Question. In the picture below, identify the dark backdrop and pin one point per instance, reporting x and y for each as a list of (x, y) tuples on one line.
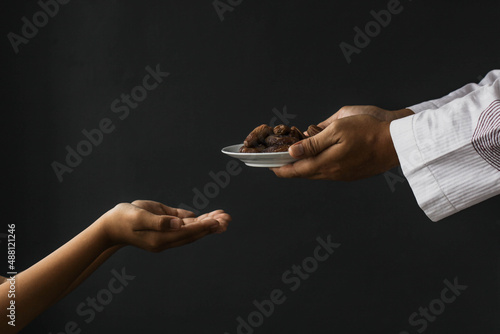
[(225, 78)]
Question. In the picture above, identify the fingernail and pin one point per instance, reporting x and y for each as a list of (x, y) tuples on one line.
[(175, 223), (297, 150)]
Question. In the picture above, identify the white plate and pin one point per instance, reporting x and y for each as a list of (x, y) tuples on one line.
[(271, 159)]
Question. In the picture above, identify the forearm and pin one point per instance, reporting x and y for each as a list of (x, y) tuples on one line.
[(39, 286), (89, 270)]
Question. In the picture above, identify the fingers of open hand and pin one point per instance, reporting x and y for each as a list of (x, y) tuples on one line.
[(197, 230), (133, 225), (223, 218), (187, 230), (146, 220), (206, 215), (156, 241), (162, 209)]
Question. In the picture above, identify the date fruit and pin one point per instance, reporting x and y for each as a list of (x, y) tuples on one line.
[(258, 135), (278, 139), (281, 130), (313, 130), (295, 132), (274, 140)]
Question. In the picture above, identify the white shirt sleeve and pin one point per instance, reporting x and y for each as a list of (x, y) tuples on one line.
[(437, 103), (450, 149)]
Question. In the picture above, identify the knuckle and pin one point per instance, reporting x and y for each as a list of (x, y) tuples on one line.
[(344, 111), (334, 126), (344, 108), (122, 205), (122, 209), (163, 223), (134, 215), (143, 204)]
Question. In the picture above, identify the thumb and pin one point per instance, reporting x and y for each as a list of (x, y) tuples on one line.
[(159, 223), (312, 146)]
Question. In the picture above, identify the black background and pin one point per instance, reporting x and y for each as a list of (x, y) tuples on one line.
[(225, 78)]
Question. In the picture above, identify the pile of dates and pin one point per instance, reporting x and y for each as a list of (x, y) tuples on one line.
[(278, 139)]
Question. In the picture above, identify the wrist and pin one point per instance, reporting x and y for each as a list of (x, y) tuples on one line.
[(101, 233), (402, 113), (390, 154)]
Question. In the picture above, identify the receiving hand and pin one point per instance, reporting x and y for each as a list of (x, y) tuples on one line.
[(349, 148), (155, 227)]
